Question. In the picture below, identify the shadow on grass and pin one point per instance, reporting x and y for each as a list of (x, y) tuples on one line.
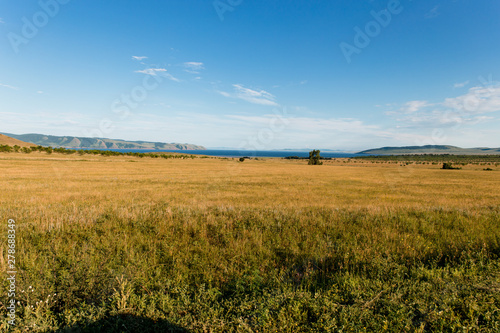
[(124, 323)]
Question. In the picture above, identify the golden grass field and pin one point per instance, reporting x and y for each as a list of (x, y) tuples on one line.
[(411, 217), (38, 180)]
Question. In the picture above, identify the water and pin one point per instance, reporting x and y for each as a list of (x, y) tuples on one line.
[(239, 153)]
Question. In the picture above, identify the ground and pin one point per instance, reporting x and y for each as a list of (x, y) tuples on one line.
[(217, 245)]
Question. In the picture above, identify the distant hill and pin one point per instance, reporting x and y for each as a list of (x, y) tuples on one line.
[(99, 143), (432, 149), (10, 141)]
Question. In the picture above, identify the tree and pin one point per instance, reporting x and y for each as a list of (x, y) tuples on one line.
[(314, 158), (449, 166)]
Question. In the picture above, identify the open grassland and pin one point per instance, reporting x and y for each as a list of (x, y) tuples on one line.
[(132, 244)]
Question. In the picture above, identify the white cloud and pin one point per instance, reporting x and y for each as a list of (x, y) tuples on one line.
[(225, 94), (413, 106), (171, 77), (467, 109), (193, 67), (477, 100), (267, 131), (1, 20), (39, 92), (158, 71), (460, 84), (139, 58), (8, 86), (260, 97), (308, 124), (151, 71)]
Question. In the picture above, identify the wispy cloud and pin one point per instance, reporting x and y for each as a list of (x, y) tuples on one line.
[(461, 84), (288, 131), (193, 67), (1, 20), (158, 71), (434, 12), (260, 97), (477, 100), (469, 108), (139, 58), (413, 106), (151, 71), (8, 86), (310, 124)]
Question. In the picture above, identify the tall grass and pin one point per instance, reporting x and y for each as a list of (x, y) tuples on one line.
[(109, 245)]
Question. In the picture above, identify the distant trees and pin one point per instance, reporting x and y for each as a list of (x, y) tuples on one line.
[(314, 158), (449, 166)]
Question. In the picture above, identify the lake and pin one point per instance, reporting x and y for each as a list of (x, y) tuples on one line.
[(240, 153)]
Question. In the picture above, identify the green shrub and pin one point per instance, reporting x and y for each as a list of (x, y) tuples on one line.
[(449, 166)]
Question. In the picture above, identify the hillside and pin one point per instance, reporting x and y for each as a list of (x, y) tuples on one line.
[(99, 143), (10, 141), (432, 149)]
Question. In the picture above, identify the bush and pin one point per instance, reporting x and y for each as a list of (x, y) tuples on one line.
[(449, 166), (314, 158)]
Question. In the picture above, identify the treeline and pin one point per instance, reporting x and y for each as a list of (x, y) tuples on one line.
[(50, 150), (467, 159)]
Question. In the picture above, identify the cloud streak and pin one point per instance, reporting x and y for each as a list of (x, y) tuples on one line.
[(8, 86), (259, 97), (193, 67), (158, 71), (470, 108)]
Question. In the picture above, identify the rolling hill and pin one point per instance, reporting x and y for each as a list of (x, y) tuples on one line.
[(431, 149), (99, 143), (10, 141)]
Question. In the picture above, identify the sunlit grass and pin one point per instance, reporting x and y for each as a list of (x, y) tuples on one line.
[(264, 245)]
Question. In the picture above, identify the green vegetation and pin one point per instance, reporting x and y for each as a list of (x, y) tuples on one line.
[(266, 269), (314, 158), (467, 159), (449, 166), (214, 245), (50, 150), (98, 143), (431, 149)]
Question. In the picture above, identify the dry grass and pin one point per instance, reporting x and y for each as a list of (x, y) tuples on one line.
[(263, 245), (39, 180), (7, 140)]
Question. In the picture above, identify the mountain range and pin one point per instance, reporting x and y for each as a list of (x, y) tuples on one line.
[(431, 149), (98, 143)]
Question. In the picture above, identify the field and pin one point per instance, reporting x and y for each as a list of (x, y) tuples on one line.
[(129, 244)]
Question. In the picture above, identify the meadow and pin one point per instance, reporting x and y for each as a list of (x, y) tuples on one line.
[(131, 244)]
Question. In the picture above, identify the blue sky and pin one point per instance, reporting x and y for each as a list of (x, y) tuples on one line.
[(346, 75)]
